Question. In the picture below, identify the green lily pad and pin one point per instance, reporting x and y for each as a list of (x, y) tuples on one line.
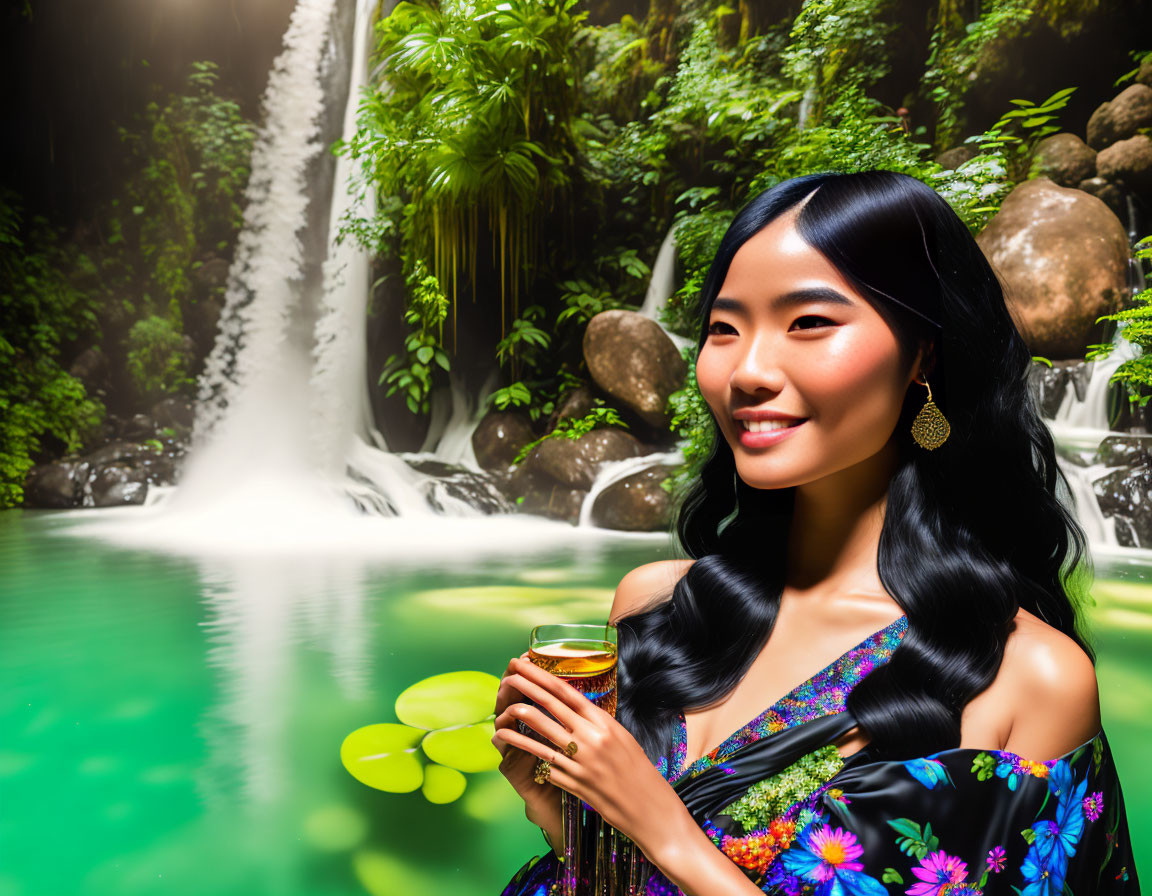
[(448, 700), (468, 749), (384, 756), (383, 874), (443, 784)]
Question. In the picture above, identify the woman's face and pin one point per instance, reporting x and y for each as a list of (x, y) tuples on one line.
[(789, 337)]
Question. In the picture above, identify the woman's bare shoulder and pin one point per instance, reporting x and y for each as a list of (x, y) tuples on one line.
[(647, 583), (1055, 702)]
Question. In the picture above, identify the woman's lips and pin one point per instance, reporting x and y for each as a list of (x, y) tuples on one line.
[(760, 439)]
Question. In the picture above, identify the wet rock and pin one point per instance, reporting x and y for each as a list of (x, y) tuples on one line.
[(1063, 256), (956, 156), (535, 492), (576, 403), (119, 450), (499, 437), (1050, 385), (141, 426), (1064, 159), (1125, 451), (53, 486), (91, 368), (1108, 193), (450, 485), (114, 474), (1127, 495), (575, 462), (1122, 117), (631, 358), (174, 412), (115, 485), (1128, 161), (637, 503)]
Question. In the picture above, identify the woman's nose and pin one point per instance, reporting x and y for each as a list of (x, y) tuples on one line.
[(758, 369)]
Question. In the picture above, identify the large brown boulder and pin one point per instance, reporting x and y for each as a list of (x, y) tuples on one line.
[(533, 491), (575, 462), (1129, 161), (635, 362), (637, 502), (1063, 256), (1064, 159), (498, 438), (1122, 117)]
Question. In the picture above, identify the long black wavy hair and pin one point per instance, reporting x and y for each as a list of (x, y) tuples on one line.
[(972, 530)]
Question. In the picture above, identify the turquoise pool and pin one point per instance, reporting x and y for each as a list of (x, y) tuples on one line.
[(173, 725)]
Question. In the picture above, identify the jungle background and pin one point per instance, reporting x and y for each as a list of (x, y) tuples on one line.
[(537, 189), (529, 159)]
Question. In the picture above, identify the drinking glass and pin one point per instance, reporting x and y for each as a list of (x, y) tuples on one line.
[(598, 860)]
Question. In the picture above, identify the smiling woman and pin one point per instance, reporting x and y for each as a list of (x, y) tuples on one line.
[(908, 564)]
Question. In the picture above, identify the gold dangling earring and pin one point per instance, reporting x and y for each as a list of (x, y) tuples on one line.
[(930, 429)]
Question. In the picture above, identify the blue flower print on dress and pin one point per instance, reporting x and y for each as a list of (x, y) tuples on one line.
[(827, 856), (1044, 876), (1064, 833), (928, 772)]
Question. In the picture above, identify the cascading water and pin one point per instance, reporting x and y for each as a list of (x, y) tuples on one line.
[(282, 404), (285, 454)]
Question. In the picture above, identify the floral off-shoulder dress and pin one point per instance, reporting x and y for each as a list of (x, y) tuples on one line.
[(780, 802)]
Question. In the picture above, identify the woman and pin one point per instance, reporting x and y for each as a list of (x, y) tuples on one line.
[(910, 557)]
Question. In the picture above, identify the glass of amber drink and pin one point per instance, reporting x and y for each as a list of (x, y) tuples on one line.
[(597, 859), (583, 655)]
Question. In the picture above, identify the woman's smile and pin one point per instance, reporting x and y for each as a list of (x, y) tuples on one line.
[(758, 433), (804, 375)]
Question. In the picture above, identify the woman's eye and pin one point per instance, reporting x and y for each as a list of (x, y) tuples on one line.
[(712, 327), (820, 321)]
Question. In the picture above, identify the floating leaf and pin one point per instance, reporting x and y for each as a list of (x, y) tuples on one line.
[(443, 784), (469, 749), (384, 756), (447, 700), (382, 874), (335, 828)]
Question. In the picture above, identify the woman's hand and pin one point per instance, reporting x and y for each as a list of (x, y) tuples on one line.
[(608, 770), (541, 801)]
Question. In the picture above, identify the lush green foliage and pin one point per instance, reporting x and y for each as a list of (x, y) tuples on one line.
[(411, 373), (125, 286), (40, 313), (490, 110), (956, 49), (476, 120), (575, 427), (1135, 373), (158, 361), (191, 151)]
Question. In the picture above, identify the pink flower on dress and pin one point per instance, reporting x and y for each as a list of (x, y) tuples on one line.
[(1094, 805), (937, 871), (837, 849), (996, 860)]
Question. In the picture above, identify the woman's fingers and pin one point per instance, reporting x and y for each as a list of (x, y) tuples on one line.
[(564, 691), (505, 695), (547, 699), (561, 763), (537, 721)]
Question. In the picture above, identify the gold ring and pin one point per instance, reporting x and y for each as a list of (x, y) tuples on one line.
[(543, 771), (571, 748)]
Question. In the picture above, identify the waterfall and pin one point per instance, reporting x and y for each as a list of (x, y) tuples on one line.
[(283, 401)]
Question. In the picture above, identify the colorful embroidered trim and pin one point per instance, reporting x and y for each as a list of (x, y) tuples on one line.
[(822, 694)]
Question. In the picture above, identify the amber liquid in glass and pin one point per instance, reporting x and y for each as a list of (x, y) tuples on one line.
[(589, 666)]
